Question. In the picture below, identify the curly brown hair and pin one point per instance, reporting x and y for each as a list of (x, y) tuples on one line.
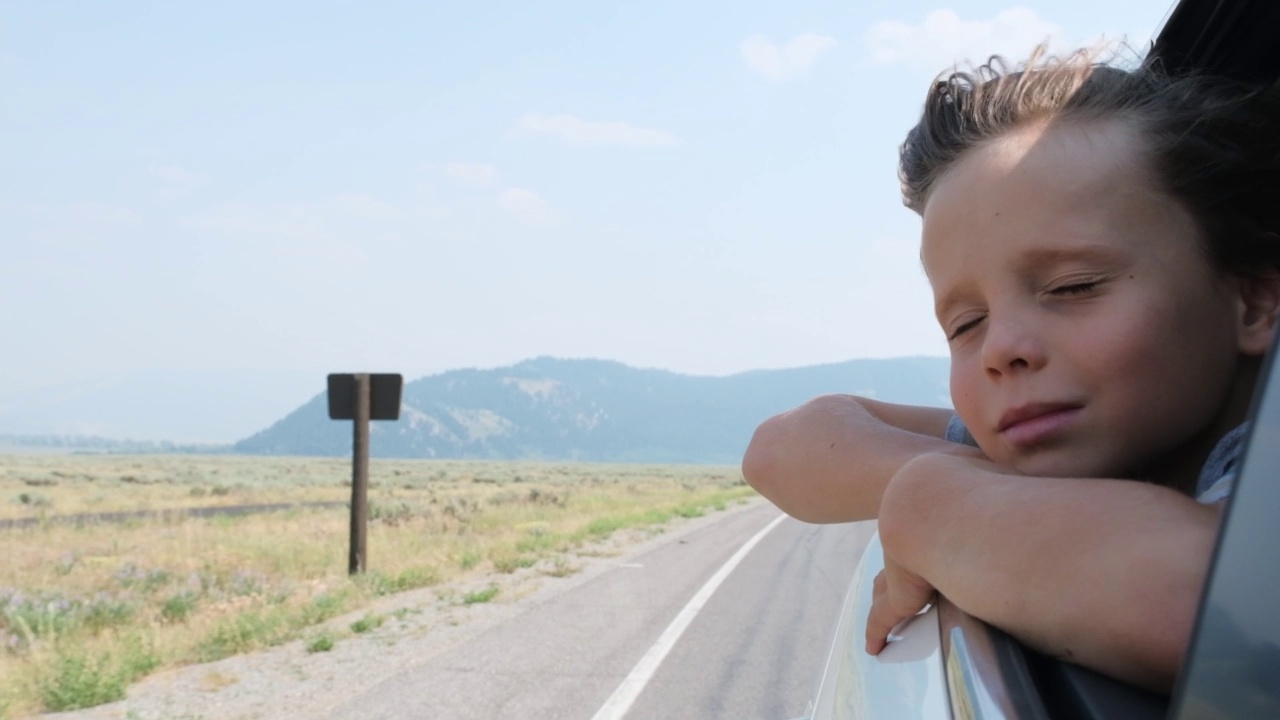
[(1211, 143)]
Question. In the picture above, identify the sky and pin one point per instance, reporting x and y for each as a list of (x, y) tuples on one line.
[(704, 187)]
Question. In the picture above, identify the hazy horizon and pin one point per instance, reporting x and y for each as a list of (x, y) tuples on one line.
[(250, 400)]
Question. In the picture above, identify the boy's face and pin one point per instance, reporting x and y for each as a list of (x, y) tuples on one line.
[(1089, 335)]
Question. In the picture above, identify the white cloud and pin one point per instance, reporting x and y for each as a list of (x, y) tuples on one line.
[(472, 173), (577, 132), (942, 40), (527, 206), (779, 62)]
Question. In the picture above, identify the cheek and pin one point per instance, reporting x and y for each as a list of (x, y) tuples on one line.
[(1112, 349), (965, 393), (1166, 358)]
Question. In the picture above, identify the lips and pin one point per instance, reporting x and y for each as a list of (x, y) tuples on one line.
[(1035, 423)]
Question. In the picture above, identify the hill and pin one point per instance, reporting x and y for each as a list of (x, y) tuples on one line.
[(595, 410)]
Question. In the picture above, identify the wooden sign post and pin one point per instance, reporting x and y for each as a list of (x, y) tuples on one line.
[(362, 397)]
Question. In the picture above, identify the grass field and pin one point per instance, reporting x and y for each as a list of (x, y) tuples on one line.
[(87, 609)]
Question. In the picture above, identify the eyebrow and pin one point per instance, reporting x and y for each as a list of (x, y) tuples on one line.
[(1045, 257), (1039, 257)]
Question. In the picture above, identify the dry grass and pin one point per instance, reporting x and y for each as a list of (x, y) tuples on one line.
[(84, 610), (39, 485)]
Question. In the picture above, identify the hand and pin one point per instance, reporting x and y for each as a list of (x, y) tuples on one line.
[(898, 594)]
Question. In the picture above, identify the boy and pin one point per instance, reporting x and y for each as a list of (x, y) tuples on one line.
[(1101, 249)]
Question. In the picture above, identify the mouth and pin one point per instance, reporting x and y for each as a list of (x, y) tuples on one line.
[(1035, 423)]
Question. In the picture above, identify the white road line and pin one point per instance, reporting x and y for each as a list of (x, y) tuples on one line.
[(621, 700)]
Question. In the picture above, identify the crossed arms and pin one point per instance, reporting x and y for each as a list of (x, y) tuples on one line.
[(1104, 573)]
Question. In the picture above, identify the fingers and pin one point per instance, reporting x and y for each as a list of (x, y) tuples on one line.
[(882, 617), (896, 596)]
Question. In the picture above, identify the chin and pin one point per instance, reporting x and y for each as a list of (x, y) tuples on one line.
[(1060, 464)]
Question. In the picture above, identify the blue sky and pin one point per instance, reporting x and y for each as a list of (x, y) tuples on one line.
[(414, 187)]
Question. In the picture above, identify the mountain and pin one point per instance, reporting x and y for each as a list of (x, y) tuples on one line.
[(595, 410)]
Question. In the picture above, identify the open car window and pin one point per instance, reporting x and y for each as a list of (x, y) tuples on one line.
[(1233, 667)]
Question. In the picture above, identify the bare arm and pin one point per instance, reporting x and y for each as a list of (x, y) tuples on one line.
[(830, 459), (1103, 573)]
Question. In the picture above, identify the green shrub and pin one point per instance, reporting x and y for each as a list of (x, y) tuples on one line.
[(178, 607), (320, 643), (46, 616), (105, 611), (389, 512), (480, 596), (79, 680), (508, 564), (35, 500), (367, 623), (540, 542), (321, 608), (379, 583), (604, 527), (245, 632)]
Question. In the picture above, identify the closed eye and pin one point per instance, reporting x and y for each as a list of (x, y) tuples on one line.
[(1075, 289), (966, 327)]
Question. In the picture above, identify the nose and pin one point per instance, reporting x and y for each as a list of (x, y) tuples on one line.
[(1011, 345)]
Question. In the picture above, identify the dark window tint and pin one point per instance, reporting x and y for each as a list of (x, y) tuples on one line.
[(1233, 670)]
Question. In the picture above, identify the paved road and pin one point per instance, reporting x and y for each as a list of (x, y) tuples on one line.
[(755, 650)]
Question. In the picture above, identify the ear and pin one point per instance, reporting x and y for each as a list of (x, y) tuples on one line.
[(1258, 314)]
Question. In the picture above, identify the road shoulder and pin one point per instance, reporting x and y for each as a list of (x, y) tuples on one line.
[(289, 682)]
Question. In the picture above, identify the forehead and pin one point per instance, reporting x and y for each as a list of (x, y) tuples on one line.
[(1045, 187)]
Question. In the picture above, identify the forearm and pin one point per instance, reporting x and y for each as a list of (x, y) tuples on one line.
[(1103, 573), (830, 459)]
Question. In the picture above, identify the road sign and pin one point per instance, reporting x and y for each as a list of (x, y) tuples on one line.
[(384, 396), (362, 397)]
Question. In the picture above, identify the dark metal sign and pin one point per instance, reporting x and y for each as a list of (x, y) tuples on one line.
[(384, 396), (362, 397)]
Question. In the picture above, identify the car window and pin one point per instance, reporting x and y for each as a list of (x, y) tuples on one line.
[(1234, 666)]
